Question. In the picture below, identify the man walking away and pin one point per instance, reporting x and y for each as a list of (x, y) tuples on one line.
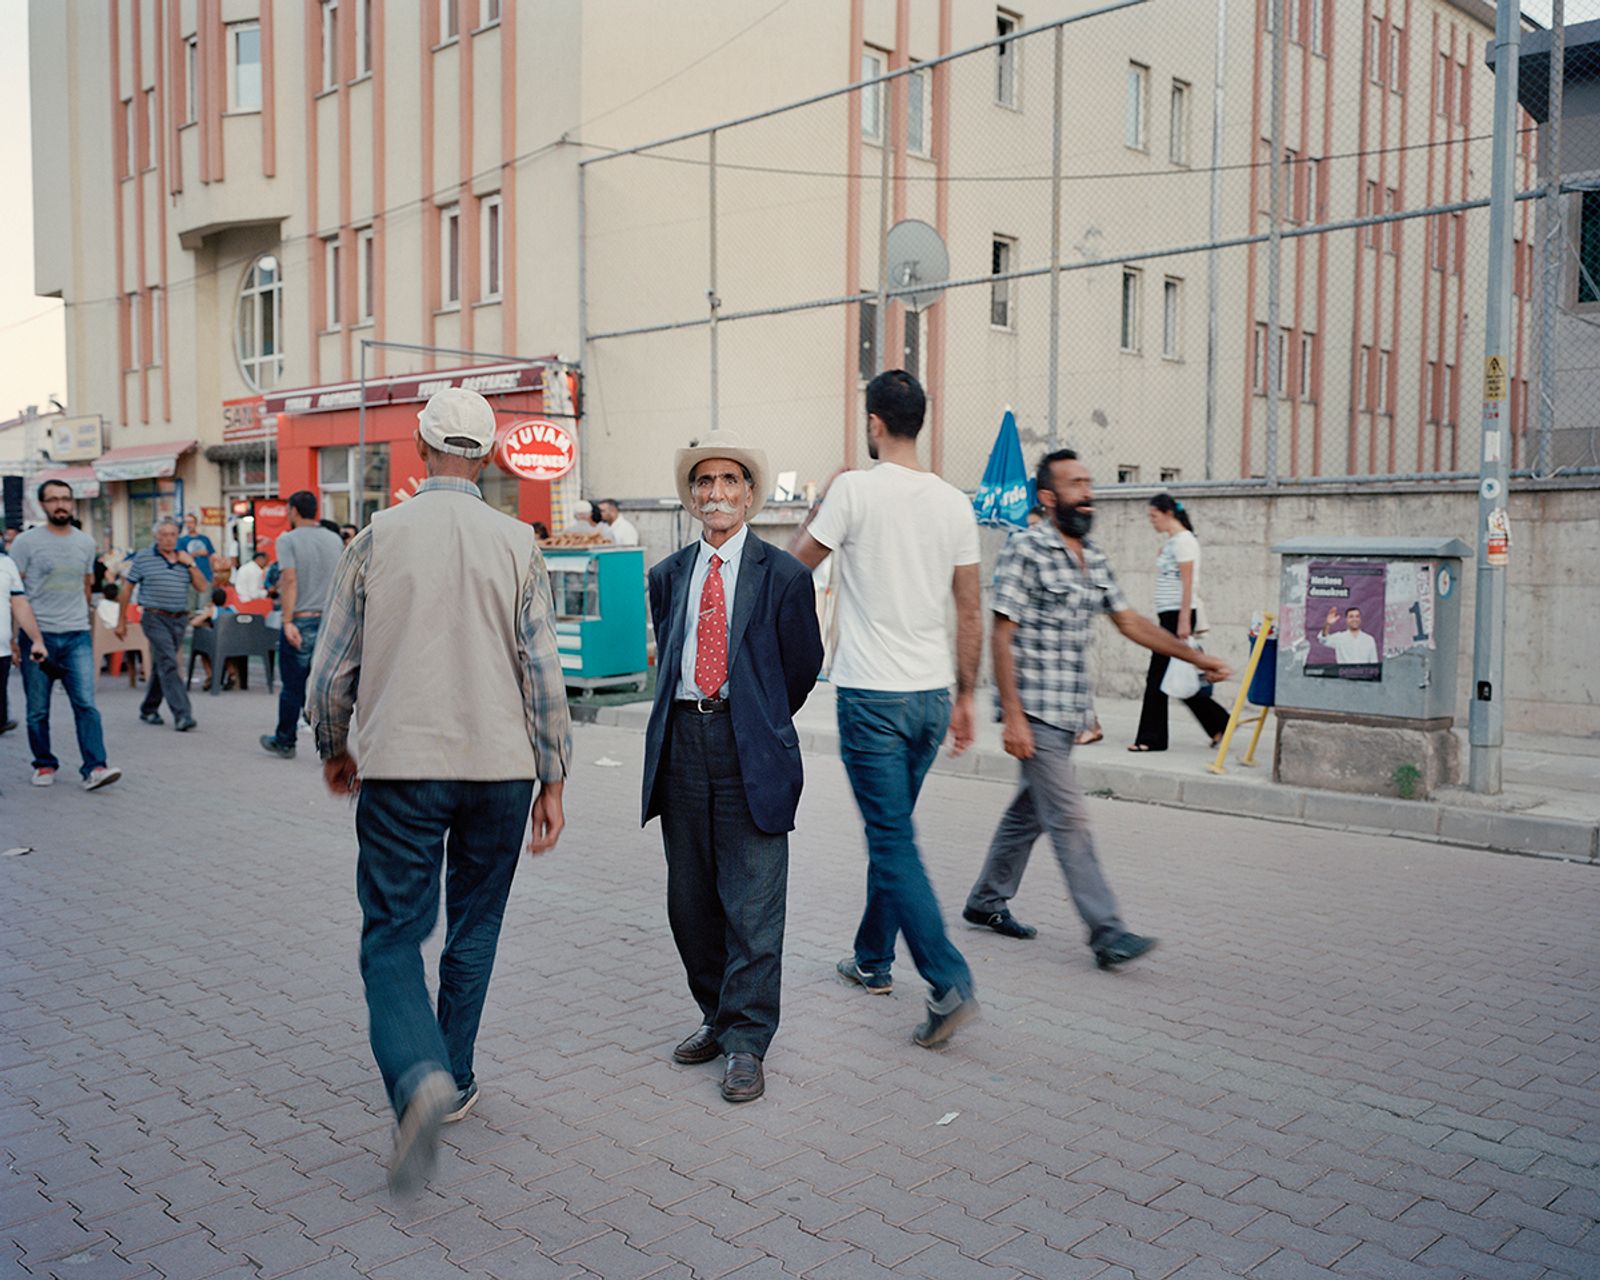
[(462, 710), (736, 631), (1050, 584), (906, 540), (56, 562), (307, 556), (165, 577)]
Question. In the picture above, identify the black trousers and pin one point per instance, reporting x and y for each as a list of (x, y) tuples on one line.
[(1153, 717), (5, 683), (727, 884)]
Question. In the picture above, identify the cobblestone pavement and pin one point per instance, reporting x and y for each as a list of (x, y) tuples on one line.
[(1351, 1055)]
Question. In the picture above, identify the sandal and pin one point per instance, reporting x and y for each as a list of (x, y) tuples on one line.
[(1138, 746), (1086, 736)]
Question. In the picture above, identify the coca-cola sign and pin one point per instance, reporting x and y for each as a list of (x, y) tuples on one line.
[(536, 449)]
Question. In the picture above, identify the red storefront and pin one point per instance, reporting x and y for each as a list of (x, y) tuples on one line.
[(318, 430)]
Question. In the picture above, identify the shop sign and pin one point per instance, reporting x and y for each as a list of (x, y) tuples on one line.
[(491, 380), (536, 449), (245, 419), (76, 439), (211, 516)]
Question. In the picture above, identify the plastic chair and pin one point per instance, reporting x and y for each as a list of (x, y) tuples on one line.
[(106, 644), (233, 636)]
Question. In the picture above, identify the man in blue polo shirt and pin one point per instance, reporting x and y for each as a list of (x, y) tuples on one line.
[(164, 576)]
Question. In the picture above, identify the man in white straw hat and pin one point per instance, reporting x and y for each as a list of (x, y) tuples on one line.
[(463, 713), (738, 650)]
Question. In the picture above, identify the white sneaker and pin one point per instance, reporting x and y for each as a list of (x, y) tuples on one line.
[(101, 777), (44, 777)]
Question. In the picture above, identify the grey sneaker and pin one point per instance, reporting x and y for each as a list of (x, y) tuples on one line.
[(416, 1141), (879, 984), (939, 1027), (104, 776), (466, 1099)]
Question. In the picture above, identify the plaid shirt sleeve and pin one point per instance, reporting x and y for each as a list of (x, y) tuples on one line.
[(1010, 595), (336, 665), (1111, 600), (544, 688)]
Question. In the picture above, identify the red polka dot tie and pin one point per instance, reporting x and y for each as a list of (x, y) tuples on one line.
[(711, 655)]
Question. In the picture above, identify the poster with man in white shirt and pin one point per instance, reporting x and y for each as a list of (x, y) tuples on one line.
[(1348, 642)]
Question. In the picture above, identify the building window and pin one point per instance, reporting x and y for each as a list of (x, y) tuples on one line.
[(489, 245), (1385, 397), (912, 347), (1441, 86), (157, 314), (336, 466), (1128, 335), (257, 333), (1291, 21), (125, 159), (872, 64), (1289, 201), (1318, 23), (191, 80), (918, 115), (330, 281), (1313, 193), (1127, 473), (1589, 247), (244, 67), (1391, 199), (1441, 242), (1375, 51), (147, 157), (363, 37), (1178, 124), (1308, 347), (1136, 108), (1432, 391), (867, 342), (1172, 318), (450, 256), (330, 44), (1396, 62), (1171, 475), (1458, 241), (1007, 57), (1258, 360), (1364, 378), (134, 319), (1002, 312), (1374, 230), (366, 263), (449, 20), (491, 12), (1283, 363)]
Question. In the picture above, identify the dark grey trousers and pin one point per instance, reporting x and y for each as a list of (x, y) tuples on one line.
[(1048, 800), (727, 884), (165, 635)]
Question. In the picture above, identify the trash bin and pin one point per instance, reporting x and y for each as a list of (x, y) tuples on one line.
[(1264, 684)]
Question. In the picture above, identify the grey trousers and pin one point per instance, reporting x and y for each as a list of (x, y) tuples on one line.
[(165, 635), (1048, 800)]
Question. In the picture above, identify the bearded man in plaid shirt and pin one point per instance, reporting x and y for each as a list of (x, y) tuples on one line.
[(1049, 585)]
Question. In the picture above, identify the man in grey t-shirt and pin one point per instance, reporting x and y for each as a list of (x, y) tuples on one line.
[(307, 556), (56, 562)]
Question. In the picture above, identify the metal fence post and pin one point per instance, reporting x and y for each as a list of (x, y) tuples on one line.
[(1052, 437), (712, 299), (1554, 240), (1275, 243), (1486, 721), (1213, 263)]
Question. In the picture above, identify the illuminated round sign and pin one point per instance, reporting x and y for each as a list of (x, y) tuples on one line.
[(536, 449)]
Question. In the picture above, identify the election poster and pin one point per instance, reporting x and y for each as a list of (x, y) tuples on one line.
[(1344, 621)]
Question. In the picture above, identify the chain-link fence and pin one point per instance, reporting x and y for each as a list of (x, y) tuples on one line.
[(1233, 243)]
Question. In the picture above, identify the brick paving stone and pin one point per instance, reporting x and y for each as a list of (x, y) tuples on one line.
[(610, 1255), (284, 1249), (1581, 1259)]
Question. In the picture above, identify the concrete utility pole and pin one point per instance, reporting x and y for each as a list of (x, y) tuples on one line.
[(1486, 722)]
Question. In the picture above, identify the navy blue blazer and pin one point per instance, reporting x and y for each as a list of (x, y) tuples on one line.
[(774, 655)]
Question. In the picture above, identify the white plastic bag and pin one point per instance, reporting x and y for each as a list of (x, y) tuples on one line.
[(1183, 678)]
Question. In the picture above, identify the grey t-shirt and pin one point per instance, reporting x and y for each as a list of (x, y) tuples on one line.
[(53, 566), (313, 553)]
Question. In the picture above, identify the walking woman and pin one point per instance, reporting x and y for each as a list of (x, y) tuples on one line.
[(1177, 593)]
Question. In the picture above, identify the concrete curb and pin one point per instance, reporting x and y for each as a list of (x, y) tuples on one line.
[(1568, 839)]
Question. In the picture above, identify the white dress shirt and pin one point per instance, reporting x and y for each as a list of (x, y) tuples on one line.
[(730, 553), (250, 582), (1353, 648)]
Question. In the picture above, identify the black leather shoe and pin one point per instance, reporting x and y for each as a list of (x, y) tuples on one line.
[(1001, 921), (1121, 948), (184, 725), (702, 1046), (151, 717), (743, 1079)]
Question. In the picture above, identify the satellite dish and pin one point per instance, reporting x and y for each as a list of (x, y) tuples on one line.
[(917, 257)]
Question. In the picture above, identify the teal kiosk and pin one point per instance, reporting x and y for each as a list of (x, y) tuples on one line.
[(600, 615)]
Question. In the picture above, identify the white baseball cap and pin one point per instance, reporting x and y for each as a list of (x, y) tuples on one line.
[(458, 421)]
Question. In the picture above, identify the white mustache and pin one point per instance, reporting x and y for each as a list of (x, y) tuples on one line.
[(718, 508)]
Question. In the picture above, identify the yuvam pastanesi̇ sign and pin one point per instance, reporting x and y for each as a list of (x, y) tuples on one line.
[(536, 449)]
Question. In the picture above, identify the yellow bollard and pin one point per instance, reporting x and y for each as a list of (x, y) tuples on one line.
[(1238, 703)]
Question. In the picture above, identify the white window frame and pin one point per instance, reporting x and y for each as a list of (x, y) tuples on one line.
[(1130, 335), (134, 344), (1384, 397), (366, 264), (153, 356), (331, 263), (328, 12), (236, 31), (1178, 123), (1283, 362), (1308, 356), (130, 155), (1396, 61), (449, 20), (1258, 359), (1318, 22), (1008, 61), (450, 257), (1002, 293), (1313, 167), (1136, 108), (191, 86), (1291, 21), (1172, 318), (1377, 54), (919, 108), (363, 38), (491, 12), (255, 363), (1364, 395), (491, 247), (152, 127), (874, 62), (1391, 204)]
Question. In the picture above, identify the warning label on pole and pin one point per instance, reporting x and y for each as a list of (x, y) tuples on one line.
[(1494, 378)]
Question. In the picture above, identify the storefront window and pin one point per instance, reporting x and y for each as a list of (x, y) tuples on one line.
[(335, 466), (500, 491), (148, 502)]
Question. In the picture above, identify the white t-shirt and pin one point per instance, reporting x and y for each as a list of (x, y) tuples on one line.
[(898, 535), (1181, 548), (622, 532), (10, 585), (1352, 647)]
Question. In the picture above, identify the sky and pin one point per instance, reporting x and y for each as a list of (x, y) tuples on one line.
[(33, 361)]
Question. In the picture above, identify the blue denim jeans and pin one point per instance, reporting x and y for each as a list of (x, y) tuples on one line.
[(404, 830), (294, 665), (889, 741), (71, 653)]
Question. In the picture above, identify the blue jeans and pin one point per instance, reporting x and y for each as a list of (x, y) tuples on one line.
[(889, 741), (71, 653), (402, 828), (294, 665)]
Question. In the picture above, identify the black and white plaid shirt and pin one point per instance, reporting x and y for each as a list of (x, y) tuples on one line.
[(1054, 602)]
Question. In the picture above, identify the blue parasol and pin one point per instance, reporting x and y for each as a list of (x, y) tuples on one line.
[(1005, 495)]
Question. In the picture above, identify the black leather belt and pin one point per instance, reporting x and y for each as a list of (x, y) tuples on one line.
[(705, 706), (170, 613)]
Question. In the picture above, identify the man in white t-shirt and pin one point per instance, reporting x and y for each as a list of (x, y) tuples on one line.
[(1352, 646), (906, 542), (251, 579), (618, 527)]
